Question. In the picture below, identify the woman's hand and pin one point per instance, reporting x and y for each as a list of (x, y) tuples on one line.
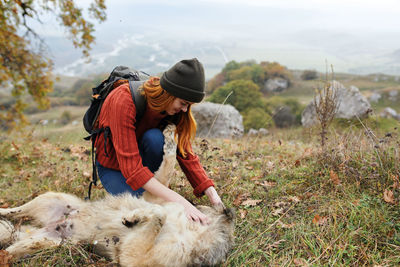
[(214, 197), (158, 189), (193, 214)]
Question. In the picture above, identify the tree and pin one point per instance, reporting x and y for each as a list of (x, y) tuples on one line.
[(24, 66)]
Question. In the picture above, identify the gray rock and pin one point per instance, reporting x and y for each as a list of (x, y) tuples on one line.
[(284, 117), (263, 131), (259, 132), (275, 85), (393, 95), (225, 120), (374, 97), (390, 113), (351, 104), (252, 132)]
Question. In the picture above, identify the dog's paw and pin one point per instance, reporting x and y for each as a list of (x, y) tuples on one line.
[(129, 222)]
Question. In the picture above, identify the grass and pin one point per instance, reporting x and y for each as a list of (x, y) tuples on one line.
[(295, 205)]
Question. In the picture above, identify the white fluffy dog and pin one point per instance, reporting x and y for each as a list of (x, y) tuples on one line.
[(133, 232)]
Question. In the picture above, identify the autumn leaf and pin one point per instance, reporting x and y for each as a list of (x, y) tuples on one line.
[(5, 258), (242, 213), (294, 199), (275, 244), (297, 163), (266, 184), (334, 178), (277, 212), (4, 205), (286, 226), (320, 220), (300, 262), (251, 202), (389, 197), (240, 198), (87, 174), (396, 184)]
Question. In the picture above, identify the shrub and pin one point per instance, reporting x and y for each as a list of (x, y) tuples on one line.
[(246, 94), (66, 117), (309, 75), (256, 118)]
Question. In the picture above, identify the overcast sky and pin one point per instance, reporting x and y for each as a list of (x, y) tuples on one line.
[(351, 34)]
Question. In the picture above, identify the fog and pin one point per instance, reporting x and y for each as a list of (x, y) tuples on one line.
[(354, 36)]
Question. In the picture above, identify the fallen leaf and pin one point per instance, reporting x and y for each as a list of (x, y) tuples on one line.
[(242, 213), (5, 206), (5, 258), (280, 204), (14, 145), (294, 199), (266, 184), (396, 183), (251, 202), (256, 178), (388, 196), (275, 244), (307, 152), (240, 198), (87, 174), (269, 165), (297, 163), (334, 178), (277, 212), (300, 262), (286, 226), (320, 220)]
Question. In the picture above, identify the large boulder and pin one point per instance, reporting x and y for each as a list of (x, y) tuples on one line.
[(275, 85), (225, 120), (351, 104), (283, 117), (388, 112)]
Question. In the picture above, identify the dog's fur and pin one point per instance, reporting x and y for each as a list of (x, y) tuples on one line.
[(132, 231)]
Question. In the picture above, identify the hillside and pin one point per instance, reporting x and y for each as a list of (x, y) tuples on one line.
[(296, 205)]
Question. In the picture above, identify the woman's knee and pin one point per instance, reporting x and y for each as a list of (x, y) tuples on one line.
[(153, 142)]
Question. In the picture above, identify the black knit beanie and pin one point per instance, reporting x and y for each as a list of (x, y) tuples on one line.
[(185, 80)]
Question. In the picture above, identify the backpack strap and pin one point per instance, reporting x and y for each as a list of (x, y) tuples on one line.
[(138, 99)]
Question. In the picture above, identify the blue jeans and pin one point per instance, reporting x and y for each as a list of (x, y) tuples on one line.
[(151, 150)]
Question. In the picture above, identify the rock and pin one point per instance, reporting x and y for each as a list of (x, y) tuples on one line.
[(259, 132), (252, 132), (275, 85), (374, 97), (263, 131), (229, 122), (390, 113), (393, 95), (351, 104), (284, 117)]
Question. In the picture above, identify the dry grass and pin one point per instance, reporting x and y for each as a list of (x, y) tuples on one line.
[(295, 205)]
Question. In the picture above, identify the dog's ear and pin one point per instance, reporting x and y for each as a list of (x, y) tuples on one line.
[(220, 207), (230, 213)]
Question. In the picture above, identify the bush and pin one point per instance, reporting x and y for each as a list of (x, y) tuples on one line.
[(246, 94), (256, 118), (309, 75), (66, 117)]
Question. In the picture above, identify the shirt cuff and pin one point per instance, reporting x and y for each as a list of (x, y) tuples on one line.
[(140, 178), (199, 190)]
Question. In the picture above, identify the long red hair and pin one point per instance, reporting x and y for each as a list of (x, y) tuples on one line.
[(158, 99)]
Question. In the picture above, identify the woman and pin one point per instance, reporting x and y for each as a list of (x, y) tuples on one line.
[(128, 162)]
